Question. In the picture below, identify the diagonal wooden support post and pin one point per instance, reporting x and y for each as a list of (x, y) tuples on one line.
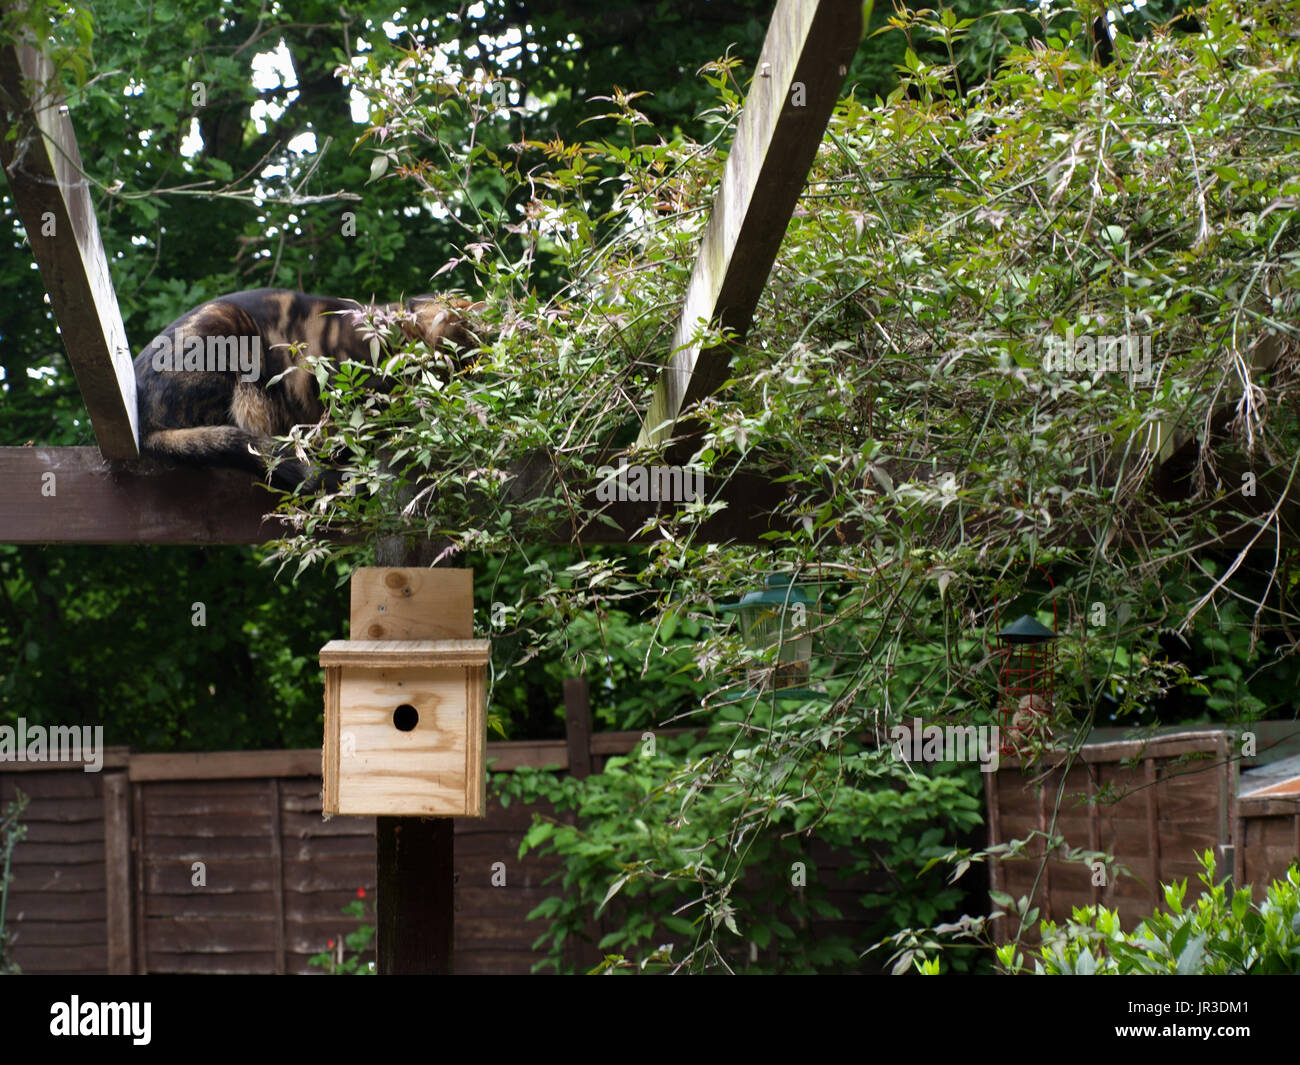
[(52, 198), (800, 73)]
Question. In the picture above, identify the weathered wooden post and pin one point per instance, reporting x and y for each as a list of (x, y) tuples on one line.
[(405, 728), (38, 150), (799, 77)]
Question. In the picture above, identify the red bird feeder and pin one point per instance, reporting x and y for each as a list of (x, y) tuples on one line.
[(1026, 651)]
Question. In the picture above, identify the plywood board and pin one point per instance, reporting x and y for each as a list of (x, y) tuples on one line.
[(434, 770), (395, 654), (401, 603)]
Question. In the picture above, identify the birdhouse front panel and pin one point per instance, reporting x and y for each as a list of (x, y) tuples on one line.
[(405, 730), (405, 727)]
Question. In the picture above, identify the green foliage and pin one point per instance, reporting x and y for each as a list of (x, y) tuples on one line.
[(349, 957), (11, 834), (196, 197), (893, 384), (640, 675), (64, 33), (1224, 933), (652, 827), (127, 650), (1000, 195)]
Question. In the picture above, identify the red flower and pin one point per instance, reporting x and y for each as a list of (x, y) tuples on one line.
[(361, 893), (331, 944)]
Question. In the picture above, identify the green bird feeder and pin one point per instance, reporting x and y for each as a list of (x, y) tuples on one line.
[(778, 616)]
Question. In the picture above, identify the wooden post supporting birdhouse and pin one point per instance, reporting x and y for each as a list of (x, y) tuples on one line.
[(405, 699)]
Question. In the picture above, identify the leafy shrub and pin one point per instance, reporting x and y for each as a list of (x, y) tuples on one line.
[(893, 384), (349, 957), (1222, 933), (651, 826)]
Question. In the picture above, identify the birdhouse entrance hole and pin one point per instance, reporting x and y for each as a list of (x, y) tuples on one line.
[(405, 718)]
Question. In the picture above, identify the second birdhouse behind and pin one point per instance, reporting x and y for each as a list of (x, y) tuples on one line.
[(405, 699)]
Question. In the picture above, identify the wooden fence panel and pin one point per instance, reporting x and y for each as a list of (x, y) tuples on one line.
[(278, 877), (275, 876), (208, 877), (1268, 834), (1153, 807), (58, 902)]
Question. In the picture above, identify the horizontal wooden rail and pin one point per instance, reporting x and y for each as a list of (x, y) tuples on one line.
[(70, 495), (1267, 805), (502, 756), (1162, 746), (114, 758)]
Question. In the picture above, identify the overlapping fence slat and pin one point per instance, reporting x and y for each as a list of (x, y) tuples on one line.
[(222, 863)]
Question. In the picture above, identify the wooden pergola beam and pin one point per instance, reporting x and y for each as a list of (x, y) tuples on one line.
[(798, 79), (52, 197), (70, 495)]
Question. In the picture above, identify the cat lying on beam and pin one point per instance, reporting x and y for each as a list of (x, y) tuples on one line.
[(206, 385)]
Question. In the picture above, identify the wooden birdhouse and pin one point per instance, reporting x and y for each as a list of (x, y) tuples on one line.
[(405, 700)]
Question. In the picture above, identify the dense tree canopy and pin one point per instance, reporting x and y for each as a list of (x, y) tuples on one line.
[(902, 381), (1009, 192), (222, 149)]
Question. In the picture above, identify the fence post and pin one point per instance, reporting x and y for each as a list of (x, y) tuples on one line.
[(577, 736), (577, 725), (141, 961), (117, 873)]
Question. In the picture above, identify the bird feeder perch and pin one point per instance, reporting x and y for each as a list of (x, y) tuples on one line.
[(406, 706)]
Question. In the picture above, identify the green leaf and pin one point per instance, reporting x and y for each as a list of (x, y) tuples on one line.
[(538, 833), (614, 889), (680, 925), (1191, 960)]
